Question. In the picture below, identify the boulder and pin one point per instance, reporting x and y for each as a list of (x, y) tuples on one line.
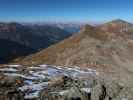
[(111, 90), (8, 88), (65, 88)]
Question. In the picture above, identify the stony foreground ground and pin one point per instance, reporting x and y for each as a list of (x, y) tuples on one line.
[(48, 82)]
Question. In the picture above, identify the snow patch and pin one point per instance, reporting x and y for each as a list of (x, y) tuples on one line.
[(8, 70), (34, 87), (88, 90), (14, 66), (63, 92)]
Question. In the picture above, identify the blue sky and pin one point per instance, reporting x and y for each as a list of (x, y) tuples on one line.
[(65, 10)]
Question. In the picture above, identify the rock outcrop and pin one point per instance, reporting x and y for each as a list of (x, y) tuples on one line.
[(8, 88), (47, 82), (110, 90)]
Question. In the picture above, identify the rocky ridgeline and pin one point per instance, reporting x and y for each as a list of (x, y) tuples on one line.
[(46, 82)]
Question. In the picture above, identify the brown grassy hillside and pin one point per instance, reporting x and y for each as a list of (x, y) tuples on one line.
[(76, 50)]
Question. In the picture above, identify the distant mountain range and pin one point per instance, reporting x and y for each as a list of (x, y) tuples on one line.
[(70, 27), (33, 36), (24, 38)]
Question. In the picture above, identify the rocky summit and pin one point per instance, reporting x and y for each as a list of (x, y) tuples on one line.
[(49, 82)]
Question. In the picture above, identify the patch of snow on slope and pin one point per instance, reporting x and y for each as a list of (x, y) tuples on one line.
[(8, 70)]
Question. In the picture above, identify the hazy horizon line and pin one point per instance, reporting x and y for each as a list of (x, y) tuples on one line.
[(54, 22)]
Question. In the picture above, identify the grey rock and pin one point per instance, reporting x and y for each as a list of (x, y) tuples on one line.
[(8, 88)]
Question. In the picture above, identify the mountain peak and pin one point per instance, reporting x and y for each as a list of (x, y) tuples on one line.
[(86, 27), (94, 32), (120, 21), (117, 26)]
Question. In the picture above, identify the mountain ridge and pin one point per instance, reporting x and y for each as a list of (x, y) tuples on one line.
[(71, 42), (92, 46)]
